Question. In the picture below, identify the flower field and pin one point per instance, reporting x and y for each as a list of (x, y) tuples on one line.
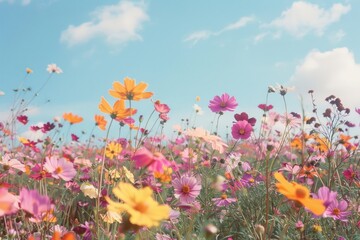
[(275, 176)]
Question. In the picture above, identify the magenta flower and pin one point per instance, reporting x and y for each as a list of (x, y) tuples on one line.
[(350, 174), (357, 110), (244, 116), (241, 130), (223, 201), (60, 168), (186, 188), (223, 103), (265, 107), (23, 119), (337, 210), (34, 204), (154, 162)]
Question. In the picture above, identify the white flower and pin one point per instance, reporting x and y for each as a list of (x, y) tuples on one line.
[(89, 190), (53, 68), (198, 109), (2, 93)]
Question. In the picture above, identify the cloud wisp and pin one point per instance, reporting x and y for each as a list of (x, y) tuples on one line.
[(197, 36), (118, 24)]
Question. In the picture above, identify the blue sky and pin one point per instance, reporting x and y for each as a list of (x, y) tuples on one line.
[(182, 49)]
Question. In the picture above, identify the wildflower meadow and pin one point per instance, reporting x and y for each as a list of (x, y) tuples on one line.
[(282, 174)]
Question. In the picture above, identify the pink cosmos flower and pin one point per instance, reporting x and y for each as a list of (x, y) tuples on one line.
[(325, 194), (8, 202), (223, 201), (265, 107), (357, 110), (186, 188), (53, 68), (244, 116), (223, 103), (161, 107), (337, 210), (10, 163), (60, 168), (35, 204), (23, 119), (154, 162), (241, 130)]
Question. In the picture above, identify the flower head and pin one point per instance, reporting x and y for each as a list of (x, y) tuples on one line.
[(100, 122), (60, 168), (53, 68), (113, 149), (118, 111), (8, 202), (129, 90), (23, 119), (152, 161), (139, 204), (299, 193), (186, 188), (71, 118), (241, 130), (337, 210), (223, 103), (223, 201)]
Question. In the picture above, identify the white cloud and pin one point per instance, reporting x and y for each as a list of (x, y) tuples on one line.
[(118, 24), (205, 34), (260, 37), (25, 2), (303, 18), (337, 36), (332, 72)]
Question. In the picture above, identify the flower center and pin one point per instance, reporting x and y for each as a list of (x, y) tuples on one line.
[(223, 196), (300, 193), (251, 180), (185, 189), (241, 131), (141, 207), (58, 170), (336, 211), (222, 104)]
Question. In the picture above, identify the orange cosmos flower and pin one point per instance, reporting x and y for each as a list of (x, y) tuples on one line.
[(100, 122), (299, 193), (130, 91), (118, 111), (66, 236), (71, 118)]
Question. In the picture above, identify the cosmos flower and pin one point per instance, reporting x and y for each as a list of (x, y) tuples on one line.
[(244, 116), (161, 107), (53, 68), (223, 201), (60, 168), (241, 130), (8, 202), (100, 122), (118, 111), (186, 188), (38, 206), (112, 149), (139, 204), (299, 193), (72, 118), (23, 119), (152, 161), (129, 90), (223, 103), (265, 107), (337, 210)]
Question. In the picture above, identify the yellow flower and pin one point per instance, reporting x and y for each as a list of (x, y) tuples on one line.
[(299, 193), (28, 70), (130, 91), (118, 111), (139, 204), (89, 190), (113, 149), (317, 228), (129, 175)]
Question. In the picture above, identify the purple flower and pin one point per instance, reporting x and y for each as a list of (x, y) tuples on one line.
[(223, 201), (186, 188), (223, 103), (326, 195), (241, 130), (337, 210)]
